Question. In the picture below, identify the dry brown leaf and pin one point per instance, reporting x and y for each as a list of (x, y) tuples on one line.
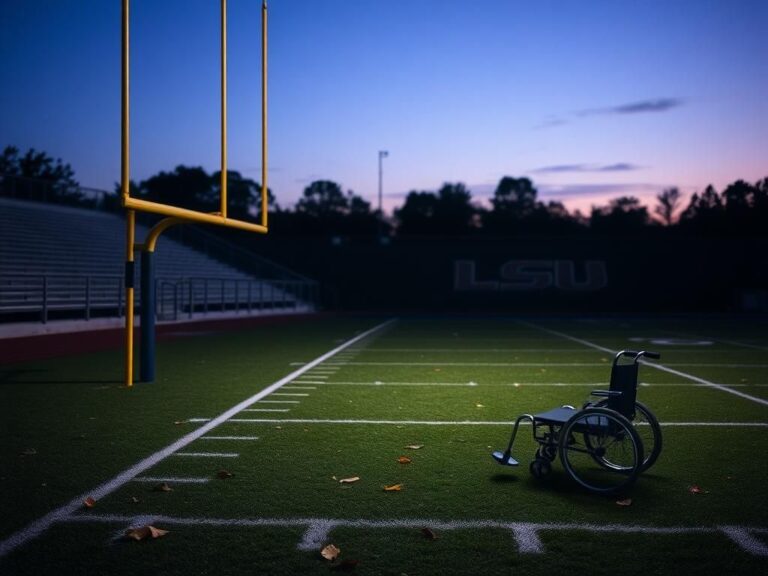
[(162, 487), (429, 534), (89, 502), (144, 533), (393, 488), (330, 552), (224, 474), (404, 460), (414, 446), (624, 502), (349, 480)]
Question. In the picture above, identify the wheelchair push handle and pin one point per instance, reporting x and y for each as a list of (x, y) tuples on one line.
[(637, 354)]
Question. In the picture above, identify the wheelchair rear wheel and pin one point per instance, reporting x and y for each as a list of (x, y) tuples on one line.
[(647, 427), (601, 450)]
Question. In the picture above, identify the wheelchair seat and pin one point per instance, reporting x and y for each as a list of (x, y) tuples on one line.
[(555, 416)]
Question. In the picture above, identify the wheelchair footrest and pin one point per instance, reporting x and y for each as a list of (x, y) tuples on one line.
[(504, 458)]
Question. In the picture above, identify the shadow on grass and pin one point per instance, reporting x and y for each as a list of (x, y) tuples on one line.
[(500, 478)]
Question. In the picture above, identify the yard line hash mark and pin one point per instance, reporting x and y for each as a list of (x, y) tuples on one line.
[(42, 524), (525, 534)]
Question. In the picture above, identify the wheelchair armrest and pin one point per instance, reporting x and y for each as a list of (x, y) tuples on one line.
[(605, 393)]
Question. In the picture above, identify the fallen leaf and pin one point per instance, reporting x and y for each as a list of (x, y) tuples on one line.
[(393, 488), (224, 474), (414, 446), (89, 502), (480, 405), (278, 427), (429, 534), (144, 533), (624, 502), (696, 489), (404, 460), (330, 552), (135, 500), (349, 480), (345, 565), (162, 487), (28, 452)]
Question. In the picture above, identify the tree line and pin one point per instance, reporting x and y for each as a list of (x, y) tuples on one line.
[(325, 209)]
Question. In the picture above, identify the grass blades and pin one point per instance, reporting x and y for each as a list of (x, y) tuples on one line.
[(450, 386)]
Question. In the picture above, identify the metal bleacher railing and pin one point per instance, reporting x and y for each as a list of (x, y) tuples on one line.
[(45, 275)]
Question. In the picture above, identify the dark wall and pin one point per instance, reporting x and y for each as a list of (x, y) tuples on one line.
[(580, 275)]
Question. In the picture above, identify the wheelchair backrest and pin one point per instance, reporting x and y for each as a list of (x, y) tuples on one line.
[(624, 380)]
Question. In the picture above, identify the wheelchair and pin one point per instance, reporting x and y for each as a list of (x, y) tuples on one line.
[(606, 444)]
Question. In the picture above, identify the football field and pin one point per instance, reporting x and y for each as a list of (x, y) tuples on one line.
[(257, 448)]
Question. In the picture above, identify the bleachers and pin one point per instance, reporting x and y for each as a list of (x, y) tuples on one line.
[(55, 259)]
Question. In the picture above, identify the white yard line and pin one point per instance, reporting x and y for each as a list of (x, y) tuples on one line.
[(481, 364), (158, 479), (288, 394), (525, 534), (652, 364), (528, 384), (37, 527), (267, 410), (279, 402), (246, 438), (208, 454), (458, 422)]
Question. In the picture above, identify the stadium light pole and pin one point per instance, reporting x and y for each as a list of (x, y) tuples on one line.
[(382, 154)]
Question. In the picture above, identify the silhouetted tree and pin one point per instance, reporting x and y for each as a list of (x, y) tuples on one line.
[(449, 212), (622, 215), (187, 187), (325, 209), (668, 203), (323, 199), (37, 175), (704, 213)]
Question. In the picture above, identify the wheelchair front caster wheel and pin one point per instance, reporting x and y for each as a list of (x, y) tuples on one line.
[(540, 467)]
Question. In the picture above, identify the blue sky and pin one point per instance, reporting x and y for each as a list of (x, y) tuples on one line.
[(590, 99)]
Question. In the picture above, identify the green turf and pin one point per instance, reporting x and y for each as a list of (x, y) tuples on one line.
[(85, 428)]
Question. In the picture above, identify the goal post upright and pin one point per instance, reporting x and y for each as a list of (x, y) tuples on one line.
[(175, 214)]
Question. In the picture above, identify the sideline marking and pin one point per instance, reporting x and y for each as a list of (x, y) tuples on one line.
[(37, 527), (526, 534), (463, 422), (651, 364)]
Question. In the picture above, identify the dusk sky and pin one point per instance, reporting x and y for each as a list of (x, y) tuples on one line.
[(590, 99)]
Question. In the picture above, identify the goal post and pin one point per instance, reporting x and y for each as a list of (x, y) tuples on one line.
[(175, 214)]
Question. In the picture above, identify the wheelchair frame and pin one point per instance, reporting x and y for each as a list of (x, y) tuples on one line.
[(606, 444)]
